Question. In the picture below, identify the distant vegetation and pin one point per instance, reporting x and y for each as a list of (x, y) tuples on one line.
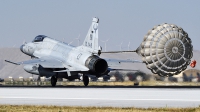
[(28, 108)]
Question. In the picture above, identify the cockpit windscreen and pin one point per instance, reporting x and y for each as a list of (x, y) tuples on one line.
[(39, 38)]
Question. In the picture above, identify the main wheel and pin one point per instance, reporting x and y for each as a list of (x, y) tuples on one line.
[(85, 80), (53, 81)]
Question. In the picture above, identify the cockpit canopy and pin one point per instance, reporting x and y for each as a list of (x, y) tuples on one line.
[(39, 38)]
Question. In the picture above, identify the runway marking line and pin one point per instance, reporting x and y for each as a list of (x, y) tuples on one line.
[(99, 99)]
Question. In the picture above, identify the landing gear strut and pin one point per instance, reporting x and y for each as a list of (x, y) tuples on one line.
[(53, 81), (85, 80)]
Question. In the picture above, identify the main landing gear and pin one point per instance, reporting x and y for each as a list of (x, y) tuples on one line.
[(53, 81), (85, 80)]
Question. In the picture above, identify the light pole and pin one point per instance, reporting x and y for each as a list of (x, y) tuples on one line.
[(129, 46), (120, 46), (105, 43)]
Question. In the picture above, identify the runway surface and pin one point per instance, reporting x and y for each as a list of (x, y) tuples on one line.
[(114, 97)]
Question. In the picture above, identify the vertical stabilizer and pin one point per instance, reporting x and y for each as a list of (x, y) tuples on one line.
[(91, 40)]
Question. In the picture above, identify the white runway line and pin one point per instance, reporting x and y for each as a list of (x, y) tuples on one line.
[(198, 100)]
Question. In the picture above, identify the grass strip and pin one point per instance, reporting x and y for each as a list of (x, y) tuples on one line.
[(125, 83), (29, 108)]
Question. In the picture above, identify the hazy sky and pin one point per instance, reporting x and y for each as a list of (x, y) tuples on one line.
[(120, 20)]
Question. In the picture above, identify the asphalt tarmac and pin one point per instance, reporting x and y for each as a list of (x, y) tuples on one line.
[(106, 97)]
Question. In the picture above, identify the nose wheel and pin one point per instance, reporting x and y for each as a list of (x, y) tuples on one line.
[(85, 80), (53, 81)]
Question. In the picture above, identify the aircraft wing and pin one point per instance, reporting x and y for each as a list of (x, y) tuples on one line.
[(113, 64), (117, 62), (48, 62), (73, 69), (45, 62)]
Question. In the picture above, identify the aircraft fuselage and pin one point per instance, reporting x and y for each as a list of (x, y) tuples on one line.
[(67, 54)]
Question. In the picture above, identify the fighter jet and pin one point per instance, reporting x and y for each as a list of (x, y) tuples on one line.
[(166, 50), (56, 59)]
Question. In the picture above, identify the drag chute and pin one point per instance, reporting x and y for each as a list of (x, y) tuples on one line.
[(166, 50)]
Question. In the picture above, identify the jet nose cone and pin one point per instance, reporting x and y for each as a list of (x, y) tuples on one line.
[(21, 47)]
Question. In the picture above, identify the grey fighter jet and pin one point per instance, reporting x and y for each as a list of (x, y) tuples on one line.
[(56, 59)]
